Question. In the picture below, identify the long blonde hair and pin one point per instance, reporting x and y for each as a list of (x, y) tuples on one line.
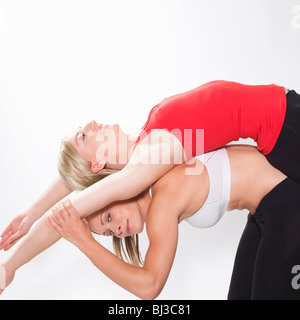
[(132, 253), (76, 171), (77, 174)]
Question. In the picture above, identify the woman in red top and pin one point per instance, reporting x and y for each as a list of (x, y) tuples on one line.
[(178, 128), (225, 111)]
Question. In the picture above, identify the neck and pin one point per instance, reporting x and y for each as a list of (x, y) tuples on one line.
[(125, 144), (131, 139)]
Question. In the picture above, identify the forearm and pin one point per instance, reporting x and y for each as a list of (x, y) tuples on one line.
[(146, 166), (56, 191), (125, 184), (101, 194), (41, 237), (134, 279)]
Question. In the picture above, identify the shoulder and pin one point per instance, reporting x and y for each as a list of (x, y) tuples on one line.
[(176, 187), (181, 173), (169, 182), (161, 145), (168, 200)]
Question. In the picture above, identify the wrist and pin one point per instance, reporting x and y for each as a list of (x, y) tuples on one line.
[(6, 276), (85, 243), (33, 213), (8, 266)]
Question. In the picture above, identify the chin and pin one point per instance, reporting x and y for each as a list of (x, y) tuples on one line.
[(115, 126), (140, 229)]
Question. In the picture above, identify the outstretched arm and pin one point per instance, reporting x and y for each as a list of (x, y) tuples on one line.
[(147, 164), (41, 237), (20, 225)]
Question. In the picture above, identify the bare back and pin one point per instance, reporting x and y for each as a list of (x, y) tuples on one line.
[(252, 177)]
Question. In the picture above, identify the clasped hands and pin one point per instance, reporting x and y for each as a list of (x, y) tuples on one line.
[(68, 223)]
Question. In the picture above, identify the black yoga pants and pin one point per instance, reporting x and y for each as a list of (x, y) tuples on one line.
[(267, 262), (285, 155)]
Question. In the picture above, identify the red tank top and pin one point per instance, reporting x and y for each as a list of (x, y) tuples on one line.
[(219, 112)]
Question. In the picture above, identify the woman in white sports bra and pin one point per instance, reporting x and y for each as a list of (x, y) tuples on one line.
[(235, 177)]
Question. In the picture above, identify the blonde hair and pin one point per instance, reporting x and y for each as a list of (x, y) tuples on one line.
[(132, 253), (77, 174), (76, 171)]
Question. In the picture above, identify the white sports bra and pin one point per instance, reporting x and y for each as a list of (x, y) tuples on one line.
[(218, 168)]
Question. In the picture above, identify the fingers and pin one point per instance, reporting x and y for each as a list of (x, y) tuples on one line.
[(54, 224), (67, 211), (7, 235), (60, 215), (7, 230), (70, 209), (7, 247), (9, 238), (10, 241), (14, 237)]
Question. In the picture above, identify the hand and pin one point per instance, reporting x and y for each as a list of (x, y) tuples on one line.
[(17, 229), (67, 222)]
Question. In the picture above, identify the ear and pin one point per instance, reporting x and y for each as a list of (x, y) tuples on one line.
[(98, 166)]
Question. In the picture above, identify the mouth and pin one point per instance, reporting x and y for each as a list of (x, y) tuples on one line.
[(128, 229), (100, 128)]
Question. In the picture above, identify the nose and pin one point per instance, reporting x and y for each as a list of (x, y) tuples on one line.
[(118, 230), (91, 125)]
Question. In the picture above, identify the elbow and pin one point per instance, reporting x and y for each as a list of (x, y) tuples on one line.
[(148, 285), (151, 291), (149, 295)]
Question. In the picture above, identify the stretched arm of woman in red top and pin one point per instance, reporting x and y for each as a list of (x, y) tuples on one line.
[(144, 168)]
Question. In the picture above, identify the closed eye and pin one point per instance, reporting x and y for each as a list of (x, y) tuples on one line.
[(82, 136)]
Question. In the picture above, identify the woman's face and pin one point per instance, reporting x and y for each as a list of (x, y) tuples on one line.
[(121, 219), (97, 143)]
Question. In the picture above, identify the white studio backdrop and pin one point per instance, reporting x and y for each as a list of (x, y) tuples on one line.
[(64, 63)]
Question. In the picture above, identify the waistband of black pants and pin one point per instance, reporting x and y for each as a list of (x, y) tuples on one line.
[(268, 199)]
